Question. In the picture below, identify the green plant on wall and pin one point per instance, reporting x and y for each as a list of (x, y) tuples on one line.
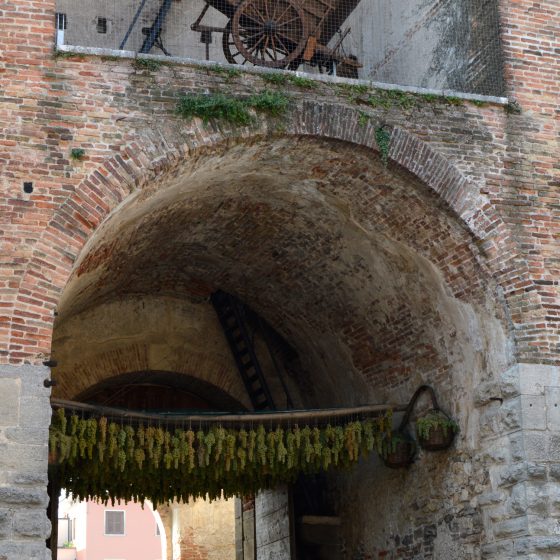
[(383, 139), (228, 72), (275, 78), (363, 118), (234, 110), (302, 82), (58, 54), (77, 154), (217, 106), (147, 64), (271, 102)]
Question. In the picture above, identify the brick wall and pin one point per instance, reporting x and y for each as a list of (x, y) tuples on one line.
[(73, 197), (528, 191), (44, 100)]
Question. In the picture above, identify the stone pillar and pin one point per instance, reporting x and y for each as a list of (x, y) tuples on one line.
[(24, 422), (520, 424)]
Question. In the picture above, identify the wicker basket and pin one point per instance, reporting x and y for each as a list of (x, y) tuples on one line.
[(441, 431), (402, 455), (437, 439)]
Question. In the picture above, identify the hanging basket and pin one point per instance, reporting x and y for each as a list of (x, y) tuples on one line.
[(435, 430), (401, 451)]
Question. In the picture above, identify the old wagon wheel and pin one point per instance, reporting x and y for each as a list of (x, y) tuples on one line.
[(231, 52), (233, 56), (269, 33)]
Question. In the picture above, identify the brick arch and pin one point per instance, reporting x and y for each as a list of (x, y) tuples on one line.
[(108, 365), (138, 163), (208, 391)]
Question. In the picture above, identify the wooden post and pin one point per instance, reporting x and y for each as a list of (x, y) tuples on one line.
[(53, 490)]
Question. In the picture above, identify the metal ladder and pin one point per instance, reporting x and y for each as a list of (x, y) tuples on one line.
[(231, 313)]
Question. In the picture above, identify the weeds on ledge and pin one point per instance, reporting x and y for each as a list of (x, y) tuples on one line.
[(272, 102), (391, 98), (301, 82), (146, 64), (275, 79), (228, 73), (231, 109)]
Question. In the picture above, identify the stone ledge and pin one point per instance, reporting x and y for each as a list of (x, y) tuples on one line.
[(95, 51)]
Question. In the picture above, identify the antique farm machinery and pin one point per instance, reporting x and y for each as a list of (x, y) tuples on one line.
[(272, 33), (283, 33)]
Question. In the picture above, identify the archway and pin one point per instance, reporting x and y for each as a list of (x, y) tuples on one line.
[(370, 282)]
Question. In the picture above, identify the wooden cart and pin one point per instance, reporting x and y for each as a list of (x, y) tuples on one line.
[(283, 33)]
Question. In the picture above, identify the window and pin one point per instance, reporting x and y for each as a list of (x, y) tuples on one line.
[(114, 522), (61, 25), (101, 25), (61, 21)]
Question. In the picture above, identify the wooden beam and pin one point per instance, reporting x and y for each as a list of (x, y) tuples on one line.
[(290, 416)]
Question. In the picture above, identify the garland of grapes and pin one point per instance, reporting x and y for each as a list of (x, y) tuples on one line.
[(103, 460)]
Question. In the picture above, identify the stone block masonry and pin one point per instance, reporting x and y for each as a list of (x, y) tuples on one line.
[(521, 451), (24, 421)]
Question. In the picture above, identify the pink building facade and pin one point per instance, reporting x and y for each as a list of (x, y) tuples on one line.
[(119, 532)]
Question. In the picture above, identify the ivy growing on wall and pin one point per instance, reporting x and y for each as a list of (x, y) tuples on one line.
[(105, 460), (383, 140)]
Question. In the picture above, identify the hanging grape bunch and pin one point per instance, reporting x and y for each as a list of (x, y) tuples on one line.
[(100, 459)]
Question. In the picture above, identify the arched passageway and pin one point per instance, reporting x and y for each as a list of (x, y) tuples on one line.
[(369, 285)]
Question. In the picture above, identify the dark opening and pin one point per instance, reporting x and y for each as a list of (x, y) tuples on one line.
[(101, 25), (61, 21)]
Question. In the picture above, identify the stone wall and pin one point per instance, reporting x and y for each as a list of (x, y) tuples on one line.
[(24, 420), (521, 428), (504, 487)]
